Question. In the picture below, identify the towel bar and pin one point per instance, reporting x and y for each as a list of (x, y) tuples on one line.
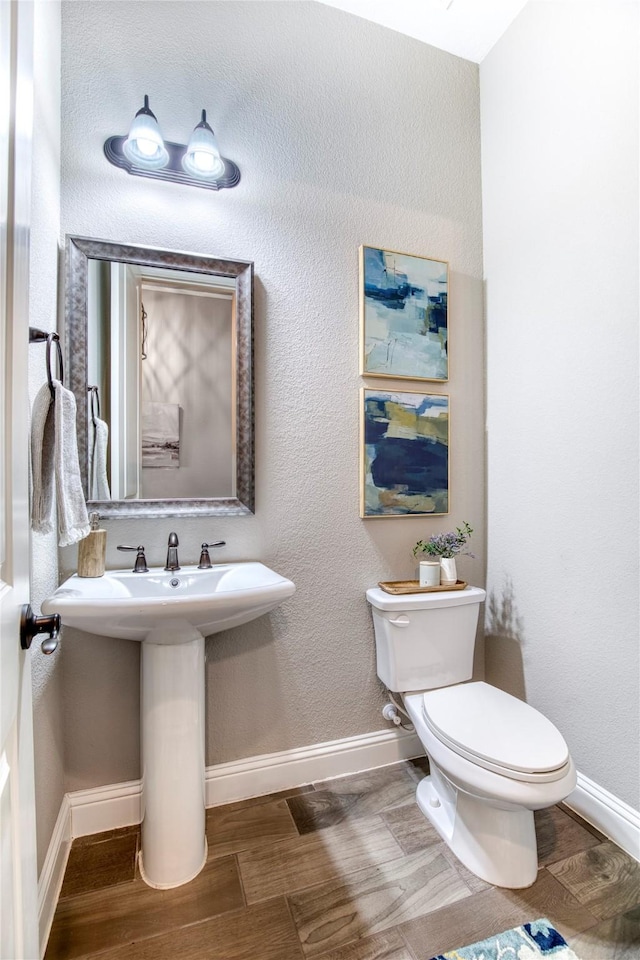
[(39, 336)]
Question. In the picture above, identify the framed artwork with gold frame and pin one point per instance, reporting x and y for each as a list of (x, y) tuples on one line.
[(403, 315), (404, 453)]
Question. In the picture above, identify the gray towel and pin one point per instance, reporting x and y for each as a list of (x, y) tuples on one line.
[(54, 459), (98, 442)]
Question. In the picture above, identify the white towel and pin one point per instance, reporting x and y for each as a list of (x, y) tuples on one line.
[(42, 440), (54, 458), (73, 519), (98, 444)]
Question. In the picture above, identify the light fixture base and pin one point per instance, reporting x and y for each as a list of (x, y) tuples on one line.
[(173, 171)]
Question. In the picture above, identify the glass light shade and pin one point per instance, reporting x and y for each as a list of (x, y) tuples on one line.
[(202, 158), (144, 147)]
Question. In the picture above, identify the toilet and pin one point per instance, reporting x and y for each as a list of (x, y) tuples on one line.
[(493, 759)]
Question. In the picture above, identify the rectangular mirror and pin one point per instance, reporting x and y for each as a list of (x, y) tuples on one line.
[(159, 357)]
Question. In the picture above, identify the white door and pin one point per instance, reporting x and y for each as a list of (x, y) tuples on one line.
[(18, 880)]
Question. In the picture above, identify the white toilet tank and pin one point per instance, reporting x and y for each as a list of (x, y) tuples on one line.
[(425, 640)]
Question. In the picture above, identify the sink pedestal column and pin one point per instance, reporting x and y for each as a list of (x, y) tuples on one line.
[(174, 846)]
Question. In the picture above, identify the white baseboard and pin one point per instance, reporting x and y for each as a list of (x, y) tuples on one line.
[(118, 805), (613, 817), (52, 873), (241, 779), (105, 808)]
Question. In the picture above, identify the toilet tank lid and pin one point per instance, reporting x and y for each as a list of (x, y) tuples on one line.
[(487, 722), (417, 601)]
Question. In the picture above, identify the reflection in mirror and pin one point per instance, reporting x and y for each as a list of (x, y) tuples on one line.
[(159, 353), (160, 365)]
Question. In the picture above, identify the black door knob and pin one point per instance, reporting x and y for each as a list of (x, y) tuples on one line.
[(30, 626)]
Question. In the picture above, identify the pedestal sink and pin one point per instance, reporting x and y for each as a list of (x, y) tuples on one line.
[(171, 614)]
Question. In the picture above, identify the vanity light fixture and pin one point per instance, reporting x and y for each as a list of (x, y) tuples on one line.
[(202, 158), (144, 147), (143, 153)]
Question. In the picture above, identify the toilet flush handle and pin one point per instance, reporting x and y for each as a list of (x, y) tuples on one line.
[(401, 621)]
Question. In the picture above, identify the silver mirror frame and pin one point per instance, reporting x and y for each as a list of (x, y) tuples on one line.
[(78, 251)]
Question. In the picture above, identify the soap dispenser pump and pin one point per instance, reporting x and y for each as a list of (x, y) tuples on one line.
[(92, 550)]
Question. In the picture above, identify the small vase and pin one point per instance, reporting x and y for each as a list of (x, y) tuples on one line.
[(448, 572), (429, 573)]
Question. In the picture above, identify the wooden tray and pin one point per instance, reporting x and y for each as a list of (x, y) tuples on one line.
[(398, 587)]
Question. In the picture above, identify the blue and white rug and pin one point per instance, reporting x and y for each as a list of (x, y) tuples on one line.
[(537, 940)]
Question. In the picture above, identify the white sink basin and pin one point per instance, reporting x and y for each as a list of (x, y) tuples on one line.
[(129, 605), (172, 613)]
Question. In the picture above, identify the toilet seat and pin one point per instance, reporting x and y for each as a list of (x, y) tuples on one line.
[(495, 730)]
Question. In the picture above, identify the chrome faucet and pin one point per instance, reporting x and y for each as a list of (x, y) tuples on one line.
[(172, 553)]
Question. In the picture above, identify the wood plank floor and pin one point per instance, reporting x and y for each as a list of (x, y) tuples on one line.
[(347, 869)]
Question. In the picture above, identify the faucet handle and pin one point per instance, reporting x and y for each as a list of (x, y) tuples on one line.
[(205, 559), (140, 566)]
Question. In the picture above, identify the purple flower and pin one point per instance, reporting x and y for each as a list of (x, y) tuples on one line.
[(445, 544)]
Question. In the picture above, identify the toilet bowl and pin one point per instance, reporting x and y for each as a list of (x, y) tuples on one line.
[(481, 806), (493, 759)]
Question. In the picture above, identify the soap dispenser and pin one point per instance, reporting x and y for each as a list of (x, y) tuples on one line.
[(92, 550)]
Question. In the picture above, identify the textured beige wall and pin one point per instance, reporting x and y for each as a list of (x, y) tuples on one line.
[(345, 133), (560, 199)]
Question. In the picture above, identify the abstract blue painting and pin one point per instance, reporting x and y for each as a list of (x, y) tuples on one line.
[(403, 315), (405, 454)]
